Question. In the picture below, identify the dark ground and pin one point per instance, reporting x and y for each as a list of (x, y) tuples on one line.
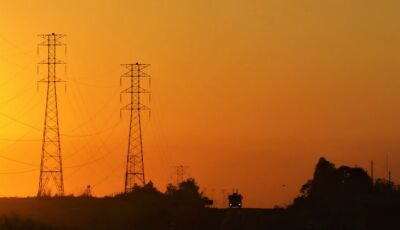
[(112, 213)]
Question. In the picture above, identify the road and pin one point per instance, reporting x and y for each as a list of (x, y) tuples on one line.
[(246, 219)]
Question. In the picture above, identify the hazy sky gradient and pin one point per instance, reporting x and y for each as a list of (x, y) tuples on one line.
[(248, 94)]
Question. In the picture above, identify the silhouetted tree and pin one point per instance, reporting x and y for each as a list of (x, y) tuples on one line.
[(343, 198), (330, 183), (171, 189), (188, 192), (323, 180)]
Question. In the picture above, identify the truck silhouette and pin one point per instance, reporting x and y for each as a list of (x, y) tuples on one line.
[(235, 200)]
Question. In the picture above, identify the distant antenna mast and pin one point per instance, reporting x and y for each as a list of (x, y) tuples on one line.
[(372, 171), (134, 174), (51, 162), (180, 171), (387, 167)]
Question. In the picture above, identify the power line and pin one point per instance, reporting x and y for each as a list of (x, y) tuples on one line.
[(17, 161), (61, 134), (19, 140), (21, 112), (95, 86), (20, 122), (105, 178), (91, 118), (95, 133), (19, 172)]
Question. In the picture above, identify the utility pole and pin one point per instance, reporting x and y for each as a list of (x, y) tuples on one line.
[(134, 174), (51, 162)]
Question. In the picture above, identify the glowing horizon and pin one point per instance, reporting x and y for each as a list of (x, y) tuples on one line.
[(247, 94)]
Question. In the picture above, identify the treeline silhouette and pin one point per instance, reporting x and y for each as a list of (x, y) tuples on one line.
[(145, 207), (342, 198), (180, 207), (336, 198)]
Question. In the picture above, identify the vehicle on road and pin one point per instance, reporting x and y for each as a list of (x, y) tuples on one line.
[(235, 200)]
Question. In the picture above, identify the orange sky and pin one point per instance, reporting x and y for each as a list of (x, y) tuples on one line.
[(248, 94)]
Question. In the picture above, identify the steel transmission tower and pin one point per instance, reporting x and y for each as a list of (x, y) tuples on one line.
[(180, 171), (51, 171), (134, 174)]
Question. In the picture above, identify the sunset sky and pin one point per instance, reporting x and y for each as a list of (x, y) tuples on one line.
[(247, 93)]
